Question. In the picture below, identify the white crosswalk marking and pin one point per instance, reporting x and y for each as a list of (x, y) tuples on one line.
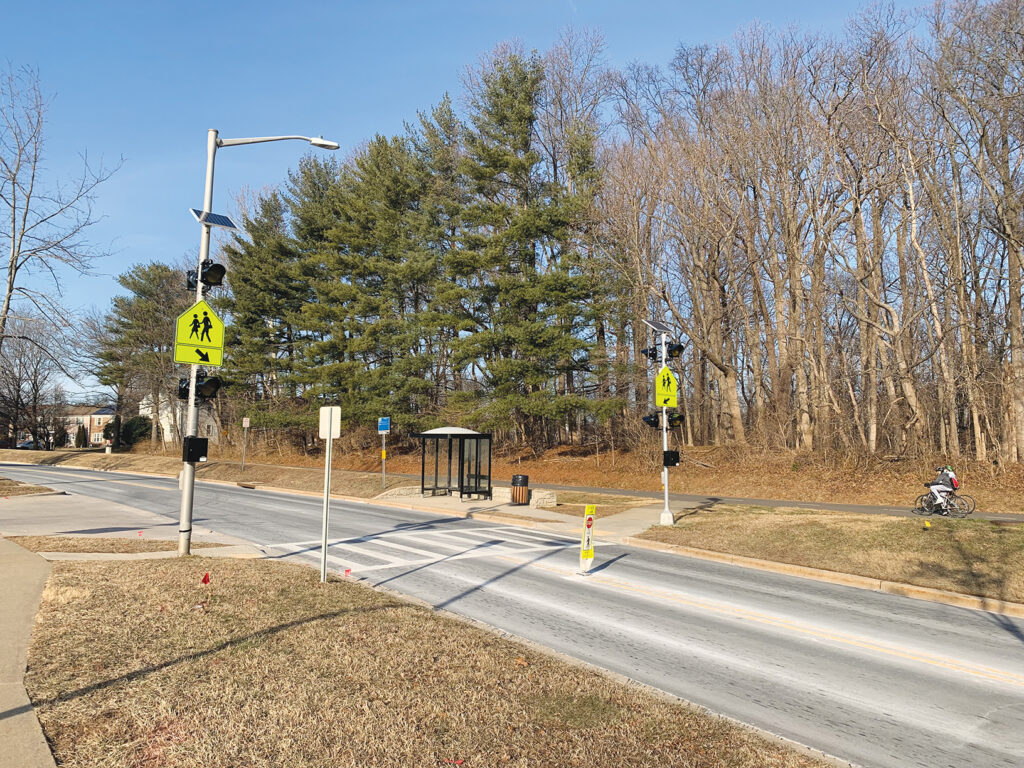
[(422, 546)]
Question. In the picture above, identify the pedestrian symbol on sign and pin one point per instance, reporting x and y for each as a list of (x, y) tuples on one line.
[(666, 389), (199, 336)]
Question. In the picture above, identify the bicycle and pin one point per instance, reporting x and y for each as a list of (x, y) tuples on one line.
[(971, 504), (956, 506)]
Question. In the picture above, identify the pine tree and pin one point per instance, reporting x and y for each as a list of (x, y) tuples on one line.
[(264, 342), (526, 281), (136, 345), (374, 289)]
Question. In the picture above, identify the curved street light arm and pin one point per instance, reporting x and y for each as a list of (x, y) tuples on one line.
[(316, 141)]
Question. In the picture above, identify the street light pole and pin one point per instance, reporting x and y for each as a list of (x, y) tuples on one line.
[(188, 477)]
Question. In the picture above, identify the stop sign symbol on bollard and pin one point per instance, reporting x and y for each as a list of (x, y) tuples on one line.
[(587, 543)]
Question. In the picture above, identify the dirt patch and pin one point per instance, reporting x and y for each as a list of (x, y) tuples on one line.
[(115, 545), (575, 503), (973, 557), (268, 667)]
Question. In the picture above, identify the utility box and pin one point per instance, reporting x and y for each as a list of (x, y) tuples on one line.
[(194, 449), (670, 458)]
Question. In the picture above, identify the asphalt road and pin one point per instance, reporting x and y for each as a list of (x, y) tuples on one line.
[(875, 679)]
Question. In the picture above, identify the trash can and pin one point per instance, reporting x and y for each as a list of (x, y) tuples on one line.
[(520, 489)]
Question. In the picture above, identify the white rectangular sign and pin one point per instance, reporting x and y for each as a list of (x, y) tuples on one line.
[(245, 423), (330, 415)]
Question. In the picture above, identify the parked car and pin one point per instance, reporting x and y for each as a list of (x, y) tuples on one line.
[(26, 444)]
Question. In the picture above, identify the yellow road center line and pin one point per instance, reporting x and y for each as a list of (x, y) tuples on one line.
[(987, 673)]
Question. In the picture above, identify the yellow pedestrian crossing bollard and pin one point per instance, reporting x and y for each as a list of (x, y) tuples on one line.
[(587, 542)]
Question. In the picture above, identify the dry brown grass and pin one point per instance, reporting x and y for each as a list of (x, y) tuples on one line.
[(138, 664), (10, 488), (119, 545), (974, 557), (608, 504)]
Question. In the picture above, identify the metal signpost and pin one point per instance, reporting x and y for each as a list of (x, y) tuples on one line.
[(666, 396), (330, 430), (193, 350), (383, 428), (198, 339), (245, 435), (587, 542)]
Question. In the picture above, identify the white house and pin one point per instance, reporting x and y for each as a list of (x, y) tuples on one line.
[(171, 416)]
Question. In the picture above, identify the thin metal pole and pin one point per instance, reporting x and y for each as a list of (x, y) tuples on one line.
[(383, 460), (666, 514), (189, 468), (327, 495), (245, 435)]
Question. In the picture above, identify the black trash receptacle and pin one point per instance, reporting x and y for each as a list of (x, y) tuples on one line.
[(520, 489)]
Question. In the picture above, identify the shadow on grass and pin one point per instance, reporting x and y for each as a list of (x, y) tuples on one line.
[(990, 586), (704, 506), (226, 645)]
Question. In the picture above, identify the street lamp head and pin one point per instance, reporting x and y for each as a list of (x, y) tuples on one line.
[(320, 141)]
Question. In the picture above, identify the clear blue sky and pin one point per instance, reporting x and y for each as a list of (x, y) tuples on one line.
[(144, 81)]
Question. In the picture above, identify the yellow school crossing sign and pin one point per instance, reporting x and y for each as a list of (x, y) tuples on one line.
[(199, 336), (666, 389)]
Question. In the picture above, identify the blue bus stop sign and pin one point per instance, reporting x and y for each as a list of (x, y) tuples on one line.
[(383, 425)]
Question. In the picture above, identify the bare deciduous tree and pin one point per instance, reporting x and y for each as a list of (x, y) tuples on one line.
[(43, 222)]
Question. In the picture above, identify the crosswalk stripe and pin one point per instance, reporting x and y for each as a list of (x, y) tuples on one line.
[(445, 546)]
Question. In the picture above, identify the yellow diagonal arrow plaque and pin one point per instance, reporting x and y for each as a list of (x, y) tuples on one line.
[(199, 336)]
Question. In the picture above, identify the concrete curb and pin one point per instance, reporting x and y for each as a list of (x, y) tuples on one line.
[(234, 552), (957, 599)]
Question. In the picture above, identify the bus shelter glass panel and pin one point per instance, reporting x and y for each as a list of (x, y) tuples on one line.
[(476, 466), (455, 463)]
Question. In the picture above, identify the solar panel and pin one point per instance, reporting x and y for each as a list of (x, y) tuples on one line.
[(213, 219), (657, 326)]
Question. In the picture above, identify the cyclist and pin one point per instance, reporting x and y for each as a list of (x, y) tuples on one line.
[(942, 486)]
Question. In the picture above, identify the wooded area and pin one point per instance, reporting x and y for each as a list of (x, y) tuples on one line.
[(833, 227)]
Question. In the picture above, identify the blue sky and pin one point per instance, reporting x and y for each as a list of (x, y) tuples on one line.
[(144, 82)]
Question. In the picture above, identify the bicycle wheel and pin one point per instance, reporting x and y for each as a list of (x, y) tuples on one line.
[(971, 504), (923, 505), (957, 507)]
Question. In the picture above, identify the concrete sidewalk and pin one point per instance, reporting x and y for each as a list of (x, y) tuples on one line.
[(23, 575), (62, 515), (615, 528)]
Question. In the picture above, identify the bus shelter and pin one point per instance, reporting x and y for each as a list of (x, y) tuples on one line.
[(455, 460)]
